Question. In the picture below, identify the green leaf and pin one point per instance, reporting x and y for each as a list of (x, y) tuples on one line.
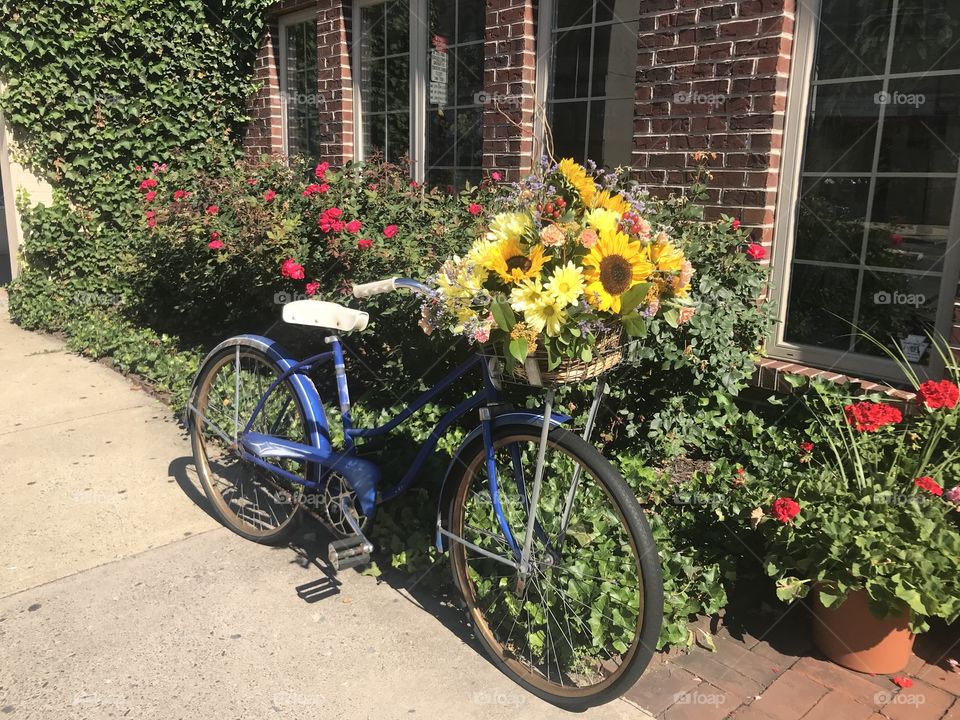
[(503, 315), (635, 325), (372, 570), (672, 317), (633, 297), (518, 349)]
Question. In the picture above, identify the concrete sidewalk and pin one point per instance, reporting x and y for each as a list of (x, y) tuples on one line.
[(121, 597)]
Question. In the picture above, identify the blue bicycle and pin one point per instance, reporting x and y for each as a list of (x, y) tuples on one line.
[(548, 545)]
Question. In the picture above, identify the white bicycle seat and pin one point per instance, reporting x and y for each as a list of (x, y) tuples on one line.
[(328, 315)]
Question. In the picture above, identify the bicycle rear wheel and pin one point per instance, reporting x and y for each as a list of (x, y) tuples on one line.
[(582, 626), (253, 501)]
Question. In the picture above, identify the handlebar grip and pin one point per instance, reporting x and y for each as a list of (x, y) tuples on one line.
[(374, 288)]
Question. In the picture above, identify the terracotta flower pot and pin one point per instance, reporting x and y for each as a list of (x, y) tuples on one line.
[(852, 636)]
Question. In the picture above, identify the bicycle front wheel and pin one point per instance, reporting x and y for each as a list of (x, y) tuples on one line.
[(580, 627)]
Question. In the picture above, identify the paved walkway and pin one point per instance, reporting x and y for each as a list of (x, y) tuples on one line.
[(121, 597)]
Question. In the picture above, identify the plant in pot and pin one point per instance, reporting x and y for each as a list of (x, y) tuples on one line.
[(867, 529)]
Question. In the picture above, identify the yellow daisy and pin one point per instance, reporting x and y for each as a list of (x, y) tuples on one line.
[(613, 266), (546, 315), (513, 266), (611, 201), (482, 252), (579, 180), (526, 295), (566, 284), (509, 226), (602, 220), (665, 255)]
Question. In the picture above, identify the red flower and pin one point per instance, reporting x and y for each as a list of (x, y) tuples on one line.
[(364, 243), (312, 288), (151, 218), (741, 471), (291, 269), (495, 176), (150, 196), (870, 416), (334, 212), (756, 251), (148, 184), (251, 181), (214, 235), (785, 509), (328, 220), (943, 394), (928, 484), (314, 188), (414, 184), (215, 244), (735, 224), (389, 231), (353, 226), (212, 209), (180, 194), (321, 169), (269, 195), (902, 681), (807, 447), (475, 209)]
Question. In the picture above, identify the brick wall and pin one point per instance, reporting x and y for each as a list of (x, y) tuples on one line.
[(712, 76), (509, 78)]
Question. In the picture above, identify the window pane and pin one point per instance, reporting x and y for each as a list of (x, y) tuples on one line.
[(373, 35), (469, 138), (398, 83), (375, 133), (398, 136), (440, 136), (817, 296), (385, 78), (301, 128), (927, 37), (611, 132), (574, 12), (896, 306), (571, 64), (443, 14), (615, 60), (469, 65), (472, 21), (842, 127), (619, 10), (852, 38), (569, 126), (921, 130), (398, 26), (915, 213), (830, 220), (375, 86)]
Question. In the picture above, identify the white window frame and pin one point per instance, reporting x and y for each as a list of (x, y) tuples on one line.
[(794, 138), (283, 23), (419, 42)]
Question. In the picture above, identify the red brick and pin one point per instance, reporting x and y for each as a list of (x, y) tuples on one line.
[(704, 702), (919, 702), (853, 685), (837, 705), (790, 697), (720, 672), (656, 689)]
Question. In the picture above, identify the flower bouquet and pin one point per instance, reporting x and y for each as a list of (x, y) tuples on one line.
[(568, 264)]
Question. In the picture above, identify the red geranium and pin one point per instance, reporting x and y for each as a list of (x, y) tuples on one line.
[(785, 509), (869, 416), (291, 269), (389, 231), (364, 243), (475, 208), (929, 484), (755, 251), (943, 394)]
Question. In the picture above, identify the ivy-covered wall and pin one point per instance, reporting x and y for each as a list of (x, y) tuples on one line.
[(91, 89)]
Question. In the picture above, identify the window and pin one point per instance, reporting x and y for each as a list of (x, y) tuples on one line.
[(298, 85), (384, 62), (870, 230), (420, 85), (455, 98), (588, 50)]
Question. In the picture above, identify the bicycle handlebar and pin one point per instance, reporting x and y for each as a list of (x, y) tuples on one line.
[(377, 287)]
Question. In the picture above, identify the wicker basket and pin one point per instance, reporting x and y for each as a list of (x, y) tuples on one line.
[(607, 354)]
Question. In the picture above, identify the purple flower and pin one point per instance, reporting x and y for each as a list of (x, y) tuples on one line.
[(953, 494)]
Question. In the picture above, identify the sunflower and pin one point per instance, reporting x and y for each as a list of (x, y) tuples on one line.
[(579, 180), (547, 314), (512, 265), (611, 201), (613, 266), (666, 256)]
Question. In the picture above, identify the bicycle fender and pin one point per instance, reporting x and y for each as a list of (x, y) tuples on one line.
[(517, 417), (302, 385)]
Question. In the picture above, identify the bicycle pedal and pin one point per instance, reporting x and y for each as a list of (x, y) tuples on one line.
[(349, 552)]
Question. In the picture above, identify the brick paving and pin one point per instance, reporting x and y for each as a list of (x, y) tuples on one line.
[(766, 668)]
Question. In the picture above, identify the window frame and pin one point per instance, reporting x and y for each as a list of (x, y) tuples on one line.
[(417, 73), (792, 156), (284, 22)]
